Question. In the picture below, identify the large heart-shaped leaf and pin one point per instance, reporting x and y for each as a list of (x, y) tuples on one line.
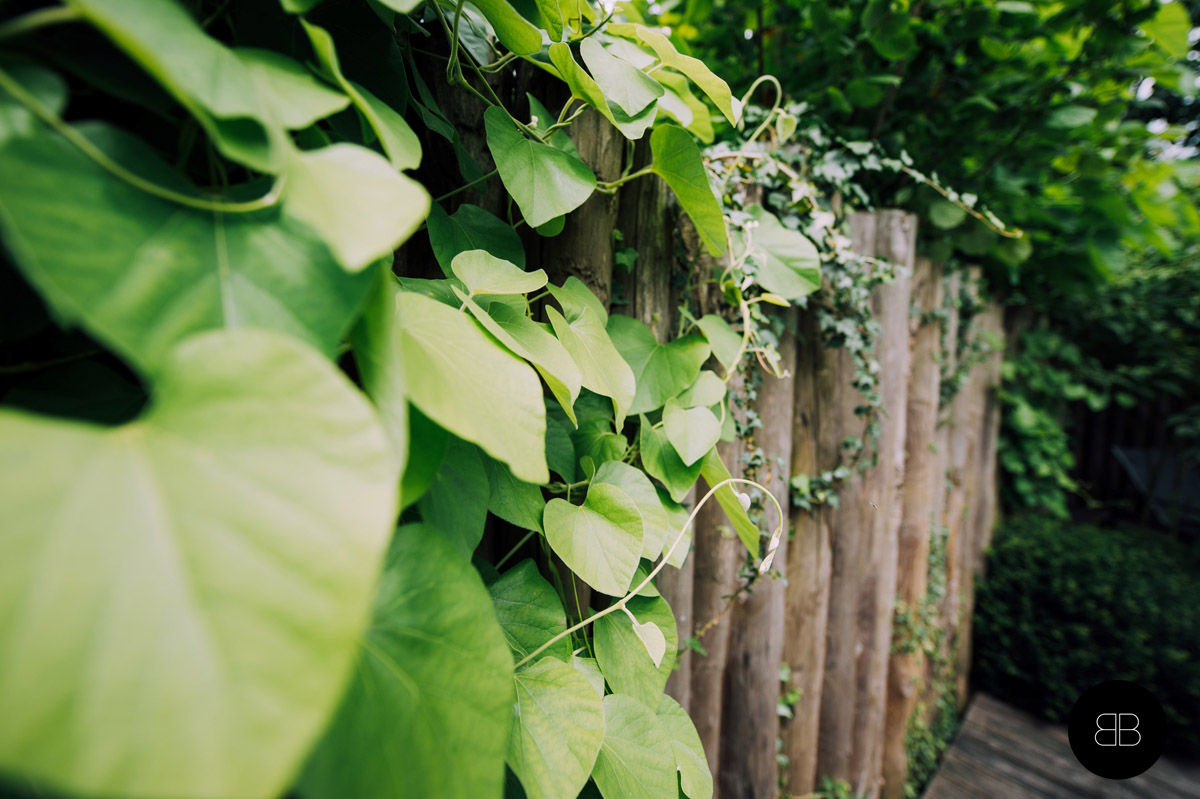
[(662, 462), (639, 488), (471, 228), (290, 92), (470, 385), (456, 501), (662, 371), (694, 775), (623, 84), (677, 161), (635, 758), (529, 612), (557, 731), (788, 263), (182, 597), (114, 259), (434, 681), (692, 431), (627, 665), (585, 88), (603, 369), (544, 181), (601, 540)]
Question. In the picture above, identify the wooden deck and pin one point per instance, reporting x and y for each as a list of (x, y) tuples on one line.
[(1004, 753)]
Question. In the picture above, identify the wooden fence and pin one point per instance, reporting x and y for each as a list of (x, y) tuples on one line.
[(828, 615)]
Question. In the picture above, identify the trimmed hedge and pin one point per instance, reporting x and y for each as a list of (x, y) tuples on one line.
[(1067, 606)]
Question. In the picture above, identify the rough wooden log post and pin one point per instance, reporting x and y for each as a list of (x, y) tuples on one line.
[(984, 510), (808, 562), (647, 220), (920, 510), (749, 768), (848, 532), (895, 241)]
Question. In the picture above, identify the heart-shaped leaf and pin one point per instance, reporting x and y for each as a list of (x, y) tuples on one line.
[(691, 431), (635, 483), (635, 759), (788, 263), (662, 462), (182, 597), (601, 540), (677, 161), (706, 391), (623, 84), (626, 659), (603, 369), (585, 88), (529, 612), (471, 228), (652, 638), (435, 679), (483, 273), (725, 343), (661, 371), (694, 775), (557, 731)]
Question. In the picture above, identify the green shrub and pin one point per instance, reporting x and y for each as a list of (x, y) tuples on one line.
[(1067, 606)]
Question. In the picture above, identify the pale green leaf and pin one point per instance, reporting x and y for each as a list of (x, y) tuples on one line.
[(691, 431), (1169, 29), (514, 31), (653, 639), (662, 462), (362, 207), (456, 501), (470, 385), (591, 671), (471, 228), (204, 75), (677, 160), (635, 759), (788, 263), (695, 69), (726, 344), (697, 119), (623, 84), (533, 342), (585, 88), (603, 369), (182, 597), (483, 273), (292, 94), (639, 488), (544, 181), (695, 777), (661, 371), (113, 258), (706, 391), (380, 366), (677, 520), (714, 473), (601, 540), (628, 667), (434, 681), (574, 297), (513, 500), (401, 144), (529, 612), (557, 730)]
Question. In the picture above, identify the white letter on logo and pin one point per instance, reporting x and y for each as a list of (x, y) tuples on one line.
[(1122, 729), (1101, 728)]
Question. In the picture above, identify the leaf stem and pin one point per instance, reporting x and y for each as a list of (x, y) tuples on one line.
[(513, 551), (102, 159), (465, 186), (609, 188), (620, 603), (18, 26)]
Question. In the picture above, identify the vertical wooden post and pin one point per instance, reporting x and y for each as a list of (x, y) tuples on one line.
[(895, 241), (920, 502), (750, 718), (808, 561)]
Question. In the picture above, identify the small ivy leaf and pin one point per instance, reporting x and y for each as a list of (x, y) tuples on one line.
[(483, 273), (744, 499), (653, 639)]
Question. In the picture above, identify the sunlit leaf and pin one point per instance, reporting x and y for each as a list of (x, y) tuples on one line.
[(627, 666), (661, 371), (483, 273), (601, 540), (530, 612), (635, 759), (788, 263), (677, 160), (695, 777)]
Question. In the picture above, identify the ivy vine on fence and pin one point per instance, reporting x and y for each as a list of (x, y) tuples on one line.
[(248, 465)]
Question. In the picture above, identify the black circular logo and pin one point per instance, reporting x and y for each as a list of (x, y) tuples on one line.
[(1117, 729)]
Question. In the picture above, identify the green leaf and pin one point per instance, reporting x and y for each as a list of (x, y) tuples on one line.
[(661, 371), (725, 343), (183, 595), (434, 681), (1071, 116), (1169, 29), (400, 6), (716, 89), (662, 462), (544, 181), (514, 31), (560, 451), (706, 391), (677, 161), (557, 731), (291, 93), (427, 448), (714, 472), (691, 431), (627, 665), (596, 443), (652, 639), (695, 777), (456, 501), (113, 258), (788, 263), (470, 385), (380, 366), (601, 540), (601, 366), (585, 88), (534, 343), (530, 612), (623, 84), (635, 759), (635, 483), (946, 215), (677, 518), (204, 75), (402, 146), (483, 273), (591, 671), (696, 118), (574, 297), (355, 200), (471, 228), (513, 500)]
